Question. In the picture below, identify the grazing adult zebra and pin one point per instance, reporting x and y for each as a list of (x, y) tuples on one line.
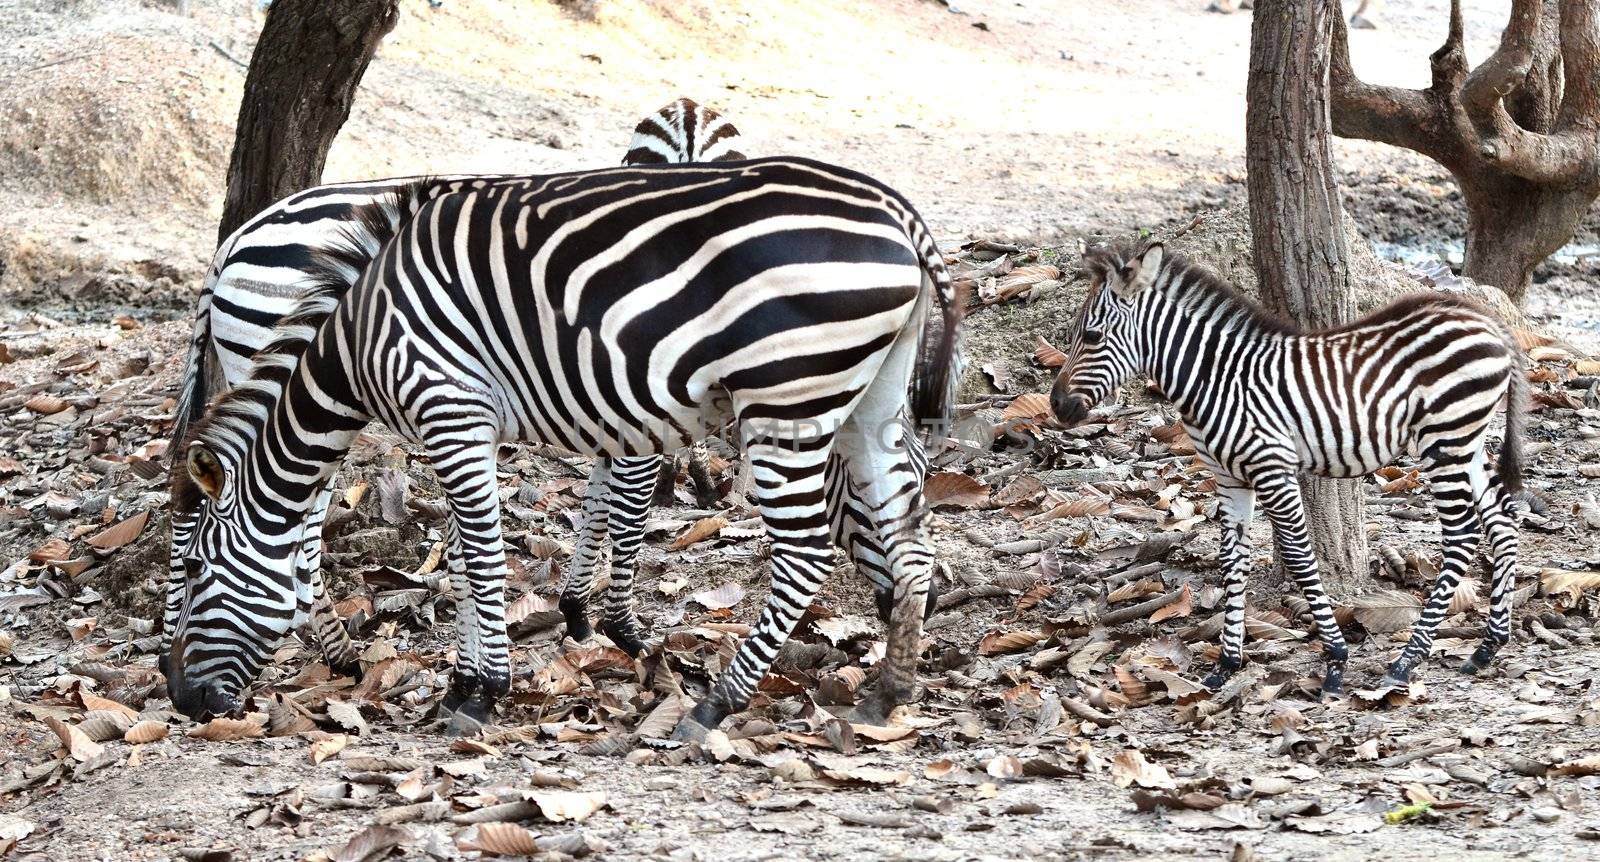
[(267, 266), (614, 312), (1263, 400)]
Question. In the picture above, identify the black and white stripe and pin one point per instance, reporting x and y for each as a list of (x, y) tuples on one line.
[(618, 313), (1263, 401)]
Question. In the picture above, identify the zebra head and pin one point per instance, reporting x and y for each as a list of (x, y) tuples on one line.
[(684, 131), (241, 593), (1104, 350)]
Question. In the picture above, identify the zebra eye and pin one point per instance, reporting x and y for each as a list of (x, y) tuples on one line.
[(191, 567), (1091, 337)]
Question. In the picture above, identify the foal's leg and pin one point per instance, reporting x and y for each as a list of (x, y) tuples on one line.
[(1279, 495), (1456, 484), (788, 479), (1237, 505), (1494, 508)]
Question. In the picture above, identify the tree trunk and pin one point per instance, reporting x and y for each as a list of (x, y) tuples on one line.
[(1297, 225), (297, 94), (1513, 225)]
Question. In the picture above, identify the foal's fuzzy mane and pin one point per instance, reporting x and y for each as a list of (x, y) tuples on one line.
[(1187, 280)]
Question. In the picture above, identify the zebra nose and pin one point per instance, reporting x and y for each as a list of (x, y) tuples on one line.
[(203, 700), (1070, 409)]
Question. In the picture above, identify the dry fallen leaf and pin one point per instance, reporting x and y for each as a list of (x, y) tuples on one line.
[(146, 732), (1387, 610), (371, 844), (92, 701), (1000, 643), (563, 805), (699, 531), (725, 596), (328, 746), (945, 488), (45, 405), (228, 729), (532, 603), (120, 533), (1130, 767), (502, 839), (1177, 610), (76, 742), (1046, 355)]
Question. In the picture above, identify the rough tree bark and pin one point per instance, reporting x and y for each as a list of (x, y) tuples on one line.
[(1296, 224), (1520, 133), (302, 80)]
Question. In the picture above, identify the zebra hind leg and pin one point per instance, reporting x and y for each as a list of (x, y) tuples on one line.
[(788, 478), (586, 557), (629, 495), (466, 471), (1494, 507), (1279, 495), (1237, 510), (853, 530), (1453, 484)]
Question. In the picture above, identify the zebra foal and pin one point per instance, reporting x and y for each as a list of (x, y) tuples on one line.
[(615, 312), (1263, 400)]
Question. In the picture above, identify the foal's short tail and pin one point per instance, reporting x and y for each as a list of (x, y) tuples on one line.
[(1510, 467)]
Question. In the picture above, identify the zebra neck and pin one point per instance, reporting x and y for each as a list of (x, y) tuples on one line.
[(305, 437), (1204, 355)]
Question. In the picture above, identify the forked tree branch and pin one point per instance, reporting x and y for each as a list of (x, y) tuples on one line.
[(1389, 115), (1507, 66), (1568, 155)]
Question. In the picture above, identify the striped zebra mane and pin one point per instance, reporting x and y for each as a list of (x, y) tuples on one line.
[(237, 415), (1189, 282)]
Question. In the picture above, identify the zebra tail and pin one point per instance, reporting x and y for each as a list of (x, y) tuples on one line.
[(937, 372), (1510, 466)]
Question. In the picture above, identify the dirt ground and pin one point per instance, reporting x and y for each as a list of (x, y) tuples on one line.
[(1061, 717)]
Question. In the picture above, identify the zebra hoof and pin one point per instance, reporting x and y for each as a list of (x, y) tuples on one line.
[(625, 637), (462, 724), (1481, 658), (870, 711), (576, 612), (1218, 677), (351, 668), (700, 721), (1333, 683)]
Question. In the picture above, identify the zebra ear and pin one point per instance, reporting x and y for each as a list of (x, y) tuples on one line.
[(206, 470), (1141, 273)]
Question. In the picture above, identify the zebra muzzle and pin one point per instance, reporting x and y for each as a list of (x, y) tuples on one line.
[(1070, 409)]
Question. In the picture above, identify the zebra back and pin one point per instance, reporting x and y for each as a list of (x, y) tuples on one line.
[(684, 131)]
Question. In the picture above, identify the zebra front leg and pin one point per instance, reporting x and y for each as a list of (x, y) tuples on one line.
[(1236, 509), (466, 472), (788, 479), (591, 539), (183, 524), (630, 492), (705, 485), (1494, 508), (1279, 495), (337, 648), (1452, 486)]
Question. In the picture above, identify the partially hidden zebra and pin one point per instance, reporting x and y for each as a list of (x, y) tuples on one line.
[(1263, 400), (613, 312), (265, 267)]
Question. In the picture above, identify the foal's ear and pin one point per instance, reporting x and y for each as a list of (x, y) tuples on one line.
[(1140, 272), (206, 470)]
